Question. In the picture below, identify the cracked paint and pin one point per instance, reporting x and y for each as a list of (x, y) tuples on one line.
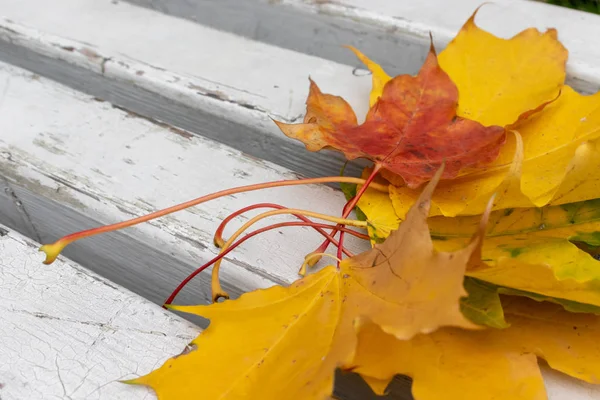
[(68, 334)]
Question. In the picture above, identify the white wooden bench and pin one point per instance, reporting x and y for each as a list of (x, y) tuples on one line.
[(109, 110)]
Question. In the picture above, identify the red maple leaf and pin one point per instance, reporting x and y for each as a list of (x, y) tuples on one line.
[(411, 130)]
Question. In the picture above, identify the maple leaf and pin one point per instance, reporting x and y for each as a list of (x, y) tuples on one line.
[(534, 251), (257, 347), (266, 344), (558, 164), (410, 130), (497, 79), (487, 364), (403, 284)]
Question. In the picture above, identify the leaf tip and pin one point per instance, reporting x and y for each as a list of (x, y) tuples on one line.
[(314, 88), (471, 21), (427, 192), (286, 128), (431, 46), (133, 381)]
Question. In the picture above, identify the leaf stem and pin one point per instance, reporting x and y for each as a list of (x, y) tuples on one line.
[(218, 239), (217, 290), (239, 242), (302, 271), (347, 210), (53, 250)]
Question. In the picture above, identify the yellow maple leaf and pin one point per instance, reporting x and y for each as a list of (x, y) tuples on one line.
[(490, 364), (277, 341), (559, 156), (500, 82), (529, 249), (266, 344), (499, 79), (532, 249), (381, 216)]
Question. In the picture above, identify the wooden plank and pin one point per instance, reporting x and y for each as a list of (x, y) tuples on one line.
[(395, 33), (74, 162), (156, 73), (68, 333)]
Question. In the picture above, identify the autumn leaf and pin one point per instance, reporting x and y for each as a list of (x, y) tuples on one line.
[(558, 164), (449, 364), (277, 341), (377, 205), (488, 364), (482, 306), (532, 249), (499, 79), (266, 344), (414, 123), (528, 249), (403, 284), (498, 83)]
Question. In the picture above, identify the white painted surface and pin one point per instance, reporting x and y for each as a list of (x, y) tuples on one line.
[(111, 166), (562, 387), (180, 59), (577, 30), (66, 333)]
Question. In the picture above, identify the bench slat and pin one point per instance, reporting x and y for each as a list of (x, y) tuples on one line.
[(76, 162), (69, 333)]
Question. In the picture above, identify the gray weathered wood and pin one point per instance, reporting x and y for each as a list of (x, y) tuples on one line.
[(393, 33)]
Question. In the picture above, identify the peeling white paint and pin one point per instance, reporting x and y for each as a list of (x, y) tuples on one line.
[(112, 165), (504, 18), (201, 67), (66, 333)]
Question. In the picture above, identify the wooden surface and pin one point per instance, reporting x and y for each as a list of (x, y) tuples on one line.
[(395, 33), (151, 110), (200, 76), (68, 333), (98, 164)]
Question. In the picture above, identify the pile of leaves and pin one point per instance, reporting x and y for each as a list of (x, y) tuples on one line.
[(482, 207)]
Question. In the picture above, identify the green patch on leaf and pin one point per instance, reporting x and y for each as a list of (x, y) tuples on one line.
[(349, 190), (591, 238), (482, 306), (568, 305)]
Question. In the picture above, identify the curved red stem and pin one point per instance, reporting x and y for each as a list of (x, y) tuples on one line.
[(347, 210), (242, 240), (221, 228)]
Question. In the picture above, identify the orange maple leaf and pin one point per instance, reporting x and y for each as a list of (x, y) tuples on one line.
[(410, 130)]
